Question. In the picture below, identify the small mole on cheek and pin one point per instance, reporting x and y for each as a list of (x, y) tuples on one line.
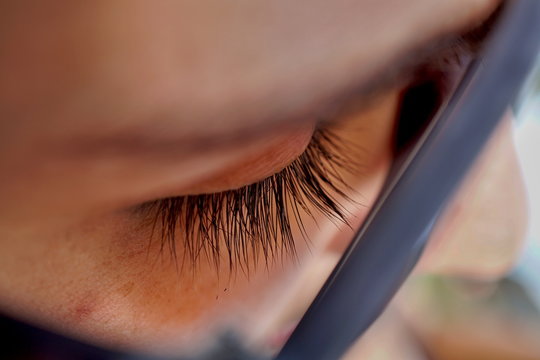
[(82, 311)]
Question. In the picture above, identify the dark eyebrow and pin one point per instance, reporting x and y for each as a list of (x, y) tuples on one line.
[(145, 141)]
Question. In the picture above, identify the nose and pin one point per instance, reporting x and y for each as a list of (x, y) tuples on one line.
[(481, 232)]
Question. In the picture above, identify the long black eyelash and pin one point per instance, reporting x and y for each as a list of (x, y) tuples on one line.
[(255, 220)]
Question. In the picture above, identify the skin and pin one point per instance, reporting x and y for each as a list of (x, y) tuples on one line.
[(101, 106)]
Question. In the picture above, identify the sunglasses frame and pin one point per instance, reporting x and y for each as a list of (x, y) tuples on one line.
[(389, 243)]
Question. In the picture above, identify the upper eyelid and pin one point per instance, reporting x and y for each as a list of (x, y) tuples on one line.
[(257, 216)]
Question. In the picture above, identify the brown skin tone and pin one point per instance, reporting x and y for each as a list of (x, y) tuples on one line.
[(93, 113)]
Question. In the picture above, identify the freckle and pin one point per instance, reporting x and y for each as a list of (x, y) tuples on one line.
[(106, 263), (127, 288), (217, 297), (224, 289), (82, 311)]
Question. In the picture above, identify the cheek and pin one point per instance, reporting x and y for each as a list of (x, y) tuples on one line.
[(481, 233), (104, 284)]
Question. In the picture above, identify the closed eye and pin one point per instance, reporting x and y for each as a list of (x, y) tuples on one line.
[(256, 220)]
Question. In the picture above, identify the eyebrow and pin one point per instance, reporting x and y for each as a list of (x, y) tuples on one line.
[(144, 141)]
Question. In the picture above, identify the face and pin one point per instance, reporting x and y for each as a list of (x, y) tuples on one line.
[(117, 116)]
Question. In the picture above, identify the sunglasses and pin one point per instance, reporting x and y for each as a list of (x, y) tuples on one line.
[(389, 243)]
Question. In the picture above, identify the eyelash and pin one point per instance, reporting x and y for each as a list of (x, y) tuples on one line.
[(255, 220)]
